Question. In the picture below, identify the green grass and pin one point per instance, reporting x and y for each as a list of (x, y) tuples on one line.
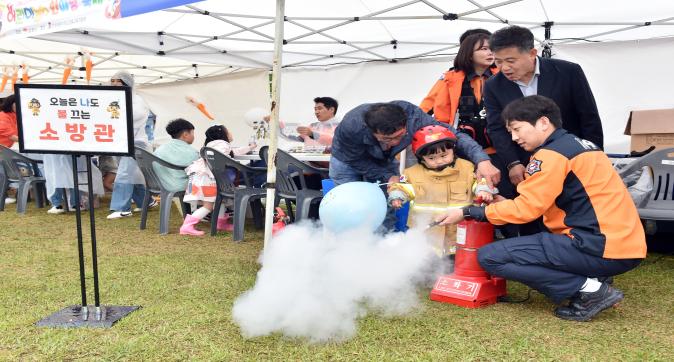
[(187, 285)]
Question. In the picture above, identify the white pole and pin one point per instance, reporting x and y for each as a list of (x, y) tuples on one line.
[(273, 122)]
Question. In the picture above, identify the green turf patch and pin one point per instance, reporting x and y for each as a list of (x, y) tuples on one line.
[(187, 286)]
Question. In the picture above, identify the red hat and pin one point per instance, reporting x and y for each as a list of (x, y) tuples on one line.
[(431, 135)]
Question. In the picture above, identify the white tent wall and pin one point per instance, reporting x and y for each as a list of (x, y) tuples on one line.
[(623, 75), (226, 97), (352, 85)]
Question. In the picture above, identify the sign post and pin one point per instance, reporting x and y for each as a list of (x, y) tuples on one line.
[(79, 121)]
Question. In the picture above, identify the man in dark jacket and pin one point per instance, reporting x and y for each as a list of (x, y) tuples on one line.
[(523, 73), (371, 135)]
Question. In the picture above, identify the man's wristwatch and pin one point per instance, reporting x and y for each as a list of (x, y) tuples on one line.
[(466, 213), (513, 164)]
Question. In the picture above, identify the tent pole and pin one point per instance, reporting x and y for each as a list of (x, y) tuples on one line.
[(547, 44), (273, 122)]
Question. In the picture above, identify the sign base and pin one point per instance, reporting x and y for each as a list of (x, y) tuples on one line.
[(469, 292), (76, 316)]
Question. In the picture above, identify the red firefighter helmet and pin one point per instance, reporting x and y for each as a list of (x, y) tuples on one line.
[(431, 135)]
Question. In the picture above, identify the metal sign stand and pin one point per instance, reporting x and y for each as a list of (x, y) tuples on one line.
[(81, 315)]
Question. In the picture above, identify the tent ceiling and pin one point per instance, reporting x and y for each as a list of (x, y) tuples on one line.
[(216, 37)]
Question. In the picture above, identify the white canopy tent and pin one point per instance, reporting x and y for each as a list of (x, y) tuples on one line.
[(354, 50), (240, 34)]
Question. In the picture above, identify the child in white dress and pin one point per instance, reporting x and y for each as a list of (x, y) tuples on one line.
[(201, 186)]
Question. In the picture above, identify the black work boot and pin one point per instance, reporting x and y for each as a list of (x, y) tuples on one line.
[(584, 306)]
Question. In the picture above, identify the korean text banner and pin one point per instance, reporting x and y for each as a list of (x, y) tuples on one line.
[(130, 8), (82, 120), (34, 17)]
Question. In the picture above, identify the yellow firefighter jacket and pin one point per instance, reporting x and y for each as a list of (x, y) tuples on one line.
[(434, 192)]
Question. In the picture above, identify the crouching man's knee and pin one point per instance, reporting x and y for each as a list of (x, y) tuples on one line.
[(490, 257)]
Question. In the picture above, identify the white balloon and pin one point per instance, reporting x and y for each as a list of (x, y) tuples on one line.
[(255, 116)]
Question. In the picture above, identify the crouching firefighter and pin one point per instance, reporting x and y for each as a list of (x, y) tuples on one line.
[(594, 228)]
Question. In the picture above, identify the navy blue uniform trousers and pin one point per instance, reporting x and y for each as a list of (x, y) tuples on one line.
[(549, 263)]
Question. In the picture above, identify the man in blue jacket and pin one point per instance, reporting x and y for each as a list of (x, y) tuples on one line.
[(371, 135)]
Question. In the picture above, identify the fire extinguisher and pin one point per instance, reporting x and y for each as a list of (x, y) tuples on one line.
[(280, 221)]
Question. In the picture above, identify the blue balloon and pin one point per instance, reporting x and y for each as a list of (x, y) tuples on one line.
[(353, 205)]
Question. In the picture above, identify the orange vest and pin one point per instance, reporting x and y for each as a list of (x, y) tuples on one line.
[(443, 98), (7, 128)]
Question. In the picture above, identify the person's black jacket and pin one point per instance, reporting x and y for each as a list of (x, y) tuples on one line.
[(565, 83)]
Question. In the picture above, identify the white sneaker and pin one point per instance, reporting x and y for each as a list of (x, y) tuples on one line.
[(152, 205), (56, 210), (119, 214), (10, 200)]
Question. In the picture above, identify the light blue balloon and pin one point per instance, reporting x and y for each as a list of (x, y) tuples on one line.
[(353, 205)]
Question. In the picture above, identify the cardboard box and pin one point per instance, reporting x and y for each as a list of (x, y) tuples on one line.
[(651, 128)]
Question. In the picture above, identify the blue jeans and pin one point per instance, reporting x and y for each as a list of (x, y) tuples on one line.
[(258, 180), (122, 195), (59, 196), (149, 127), (342, 173), (549, 263)]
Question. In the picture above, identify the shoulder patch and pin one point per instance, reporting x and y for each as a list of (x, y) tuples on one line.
[(534, 166)]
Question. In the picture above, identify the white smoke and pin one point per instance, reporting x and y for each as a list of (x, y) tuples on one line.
[(316, 285)]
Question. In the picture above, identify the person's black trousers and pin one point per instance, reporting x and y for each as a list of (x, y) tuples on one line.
[(549, 263)]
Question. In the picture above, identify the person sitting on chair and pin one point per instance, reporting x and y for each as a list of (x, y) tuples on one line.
[(202, 188), (321, 132), (177, 151)]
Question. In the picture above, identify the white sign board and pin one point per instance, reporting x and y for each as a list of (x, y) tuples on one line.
[(71, 119)]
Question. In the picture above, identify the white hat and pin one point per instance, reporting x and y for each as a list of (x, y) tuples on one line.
[(125, 77), (255, 116)]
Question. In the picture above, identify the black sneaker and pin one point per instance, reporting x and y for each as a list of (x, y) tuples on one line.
[(607, 280), (584, 306)]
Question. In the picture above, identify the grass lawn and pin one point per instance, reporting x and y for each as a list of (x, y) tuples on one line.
[(187, 285)]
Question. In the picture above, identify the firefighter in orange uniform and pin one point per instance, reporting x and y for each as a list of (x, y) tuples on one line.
[(594, 228)]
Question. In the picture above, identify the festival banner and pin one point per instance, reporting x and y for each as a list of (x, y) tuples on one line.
[(34, 17)]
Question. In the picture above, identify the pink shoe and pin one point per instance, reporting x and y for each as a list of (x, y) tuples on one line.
[(188, 226), (224, 224)]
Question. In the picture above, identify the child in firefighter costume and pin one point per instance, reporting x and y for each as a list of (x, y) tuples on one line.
[(439, 181)]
